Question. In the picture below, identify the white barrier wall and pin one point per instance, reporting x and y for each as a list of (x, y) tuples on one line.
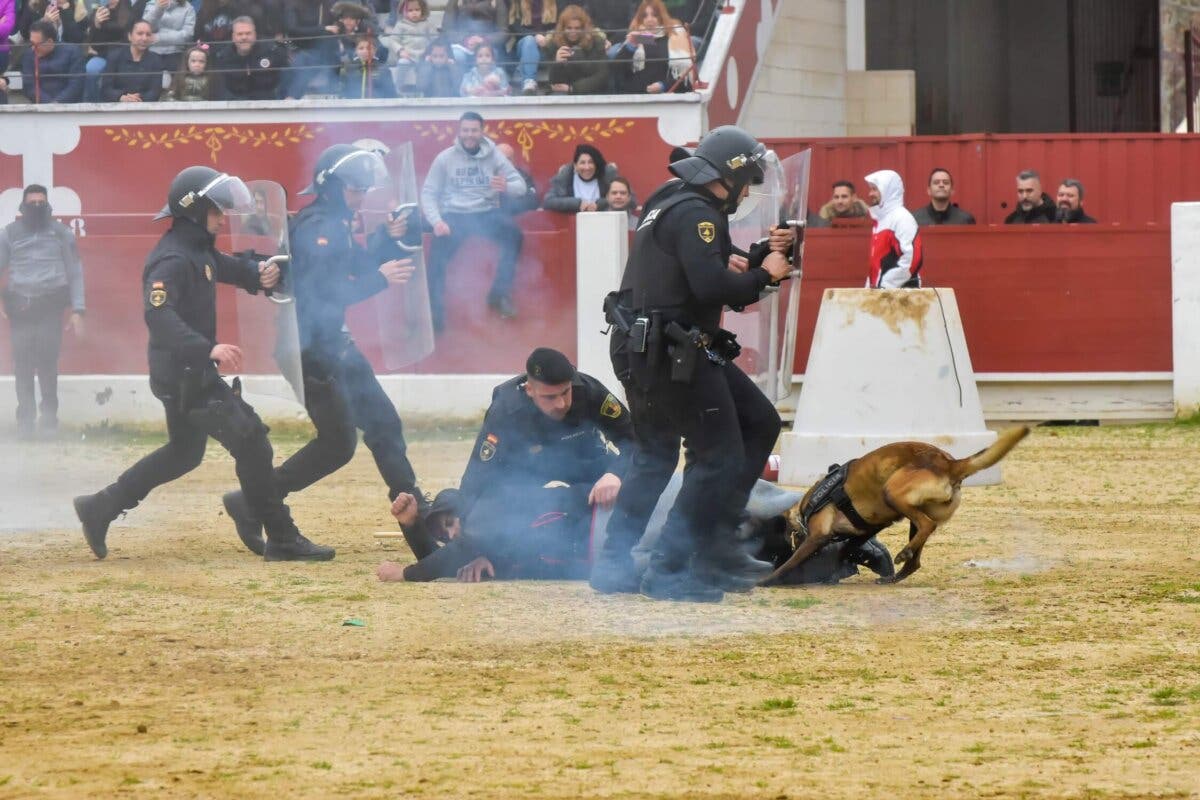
[(1185, 306), (885, 366), (601, 249)]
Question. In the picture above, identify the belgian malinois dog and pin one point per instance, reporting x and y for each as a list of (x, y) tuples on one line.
[(905, 480)]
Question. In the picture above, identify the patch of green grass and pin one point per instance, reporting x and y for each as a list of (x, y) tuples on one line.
[(978, 747), (1167, 696), (838, 705), (801, 602), (781, 742), (1143, 744), (777, 704), (607, 680), (321, 765)]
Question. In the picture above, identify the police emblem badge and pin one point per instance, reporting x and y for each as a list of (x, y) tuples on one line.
[(487, 448), (610, 408), (707, 231), (158, 295)]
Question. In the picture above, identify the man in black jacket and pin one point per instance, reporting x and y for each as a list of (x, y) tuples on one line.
[(134, 74), (1070, 204), (1034, 207), (941, 211), (186, 362), (312, 31), (249, 69)]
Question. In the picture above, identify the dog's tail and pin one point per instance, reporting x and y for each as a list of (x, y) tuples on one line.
[(1007, 440)]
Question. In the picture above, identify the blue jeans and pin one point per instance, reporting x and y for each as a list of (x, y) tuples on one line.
[(529, 55), (91, 81), (496, 225)]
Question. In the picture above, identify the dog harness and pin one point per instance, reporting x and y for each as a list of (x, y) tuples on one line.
[(832, 489)]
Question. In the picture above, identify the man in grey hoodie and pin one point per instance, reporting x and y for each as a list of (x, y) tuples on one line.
[(460, 199)]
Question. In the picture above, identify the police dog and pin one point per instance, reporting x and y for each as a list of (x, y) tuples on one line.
[(911, 480)]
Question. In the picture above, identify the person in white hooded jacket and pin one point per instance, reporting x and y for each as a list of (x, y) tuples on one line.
[(896, 252)]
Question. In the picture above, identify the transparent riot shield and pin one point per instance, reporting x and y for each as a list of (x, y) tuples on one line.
[(405, 323), (267, 330), (795, 171)]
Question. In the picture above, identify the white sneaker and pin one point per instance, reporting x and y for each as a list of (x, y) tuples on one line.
[(529, 86)]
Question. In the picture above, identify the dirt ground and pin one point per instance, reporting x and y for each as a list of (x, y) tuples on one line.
[(1049, 647)]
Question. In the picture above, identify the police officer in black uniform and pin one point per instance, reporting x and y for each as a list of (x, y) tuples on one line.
[(330, 272), (179, 290), (677, 366), (552, 425)]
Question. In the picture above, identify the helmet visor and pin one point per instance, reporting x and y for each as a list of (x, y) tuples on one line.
[(228, 193), (360, 171)]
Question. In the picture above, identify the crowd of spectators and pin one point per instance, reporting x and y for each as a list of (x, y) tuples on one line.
[(114, 50)]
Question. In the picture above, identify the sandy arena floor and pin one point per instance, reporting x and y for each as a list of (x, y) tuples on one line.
[(1049, 647)]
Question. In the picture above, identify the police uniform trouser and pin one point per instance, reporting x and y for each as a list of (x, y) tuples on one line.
[(345, 397), (36, 326), (728, 428), (226, 417)]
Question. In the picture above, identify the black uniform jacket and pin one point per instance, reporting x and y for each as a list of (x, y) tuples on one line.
[(331, 272), (179, 293), (519, 447)]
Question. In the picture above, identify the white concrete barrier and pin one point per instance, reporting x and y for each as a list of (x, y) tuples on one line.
[(885, 366), (1185, 306), (601, 249)]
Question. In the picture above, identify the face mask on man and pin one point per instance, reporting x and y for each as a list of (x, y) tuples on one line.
[(36, 214)]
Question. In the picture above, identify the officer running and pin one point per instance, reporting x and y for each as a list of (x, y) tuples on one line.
[(186, 363), (677, 367), (330, 272)]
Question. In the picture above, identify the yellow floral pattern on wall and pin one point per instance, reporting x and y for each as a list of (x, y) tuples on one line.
[(214, 137), (527, 133)]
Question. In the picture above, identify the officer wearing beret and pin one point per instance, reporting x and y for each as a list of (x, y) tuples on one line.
[(553, 445), (180, 307), (677, 367)]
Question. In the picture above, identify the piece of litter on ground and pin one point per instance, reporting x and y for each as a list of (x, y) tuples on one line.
[(354, 622)]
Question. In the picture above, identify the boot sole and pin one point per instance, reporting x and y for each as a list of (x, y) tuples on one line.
[(99, 549)]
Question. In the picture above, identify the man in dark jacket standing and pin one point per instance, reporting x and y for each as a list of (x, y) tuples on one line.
[(249, 69), (186, 362), (1034, 207), (941, 210), (45, 278), (133, 74)]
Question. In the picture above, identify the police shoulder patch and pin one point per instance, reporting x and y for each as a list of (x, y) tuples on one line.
[(611, 407), (487, 448), (158, 295), (707, 231)]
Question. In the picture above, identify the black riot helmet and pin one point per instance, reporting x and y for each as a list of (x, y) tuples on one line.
[(197, 189), (727, 154), (346, 166)]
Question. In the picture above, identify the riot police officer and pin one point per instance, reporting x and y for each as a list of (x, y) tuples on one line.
[(186, 362), (330, 272), (677, 366)]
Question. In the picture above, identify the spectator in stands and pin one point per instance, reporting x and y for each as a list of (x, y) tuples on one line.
[(461, 199), (310, 29), (581, 185), (896, 252), (174, 26), (51, 73), (366, 77), (107, 32), (941, 211), (844, 209), (576, 53), (438, 75), (8, 24), (407, 37), (1070, 204), (249, 69), (1034, 206), (133, 74), (656, 55), (468, 23), (527, 201), (193, 82), (214, 22), (351, 20), (531, 22), (611, 17), (59, 13), (485, 79), (620, 198)]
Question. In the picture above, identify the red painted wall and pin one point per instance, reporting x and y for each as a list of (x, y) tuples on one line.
[(1130, 179)]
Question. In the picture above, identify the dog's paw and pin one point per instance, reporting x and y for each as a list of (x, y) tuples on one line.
[(903, 555)]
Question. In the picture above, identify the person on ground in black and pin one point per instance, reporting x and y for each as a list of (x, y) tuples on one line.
[(941, 211), (1070, 204), (330, 273), (677, 367), (133, 74), (249, 69), (186, 362), (554, 444), (45, 279), (1034, 207)]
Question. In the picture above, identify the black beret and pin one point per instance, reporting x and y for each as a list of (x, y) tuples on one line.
[(549, 366)]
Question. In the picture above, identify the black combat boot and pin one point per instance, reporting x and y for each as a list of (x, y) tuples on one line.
[(96, 512), (295, 548), (615, 573), (729, 566), (873, 555), (249, 529), (665, 579)]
